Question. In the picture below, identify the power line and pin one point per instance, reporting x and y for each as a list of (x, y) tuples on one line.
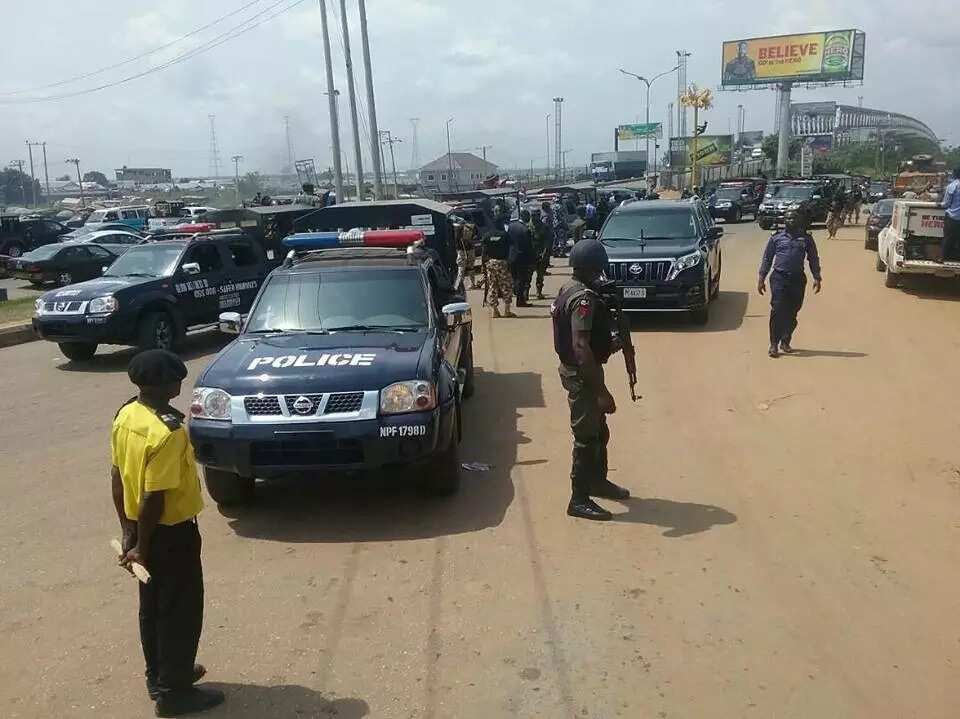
[(230, 34), (142, 55)]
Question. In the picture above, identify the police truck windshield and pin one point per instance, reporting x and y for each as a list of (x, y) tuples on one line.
[(793, 192), (157, 260), (729, 193), (344, 300), (672, 224)]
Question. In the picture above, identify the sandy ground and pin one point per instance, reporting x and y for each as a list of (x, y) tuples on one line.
[(791, 552)]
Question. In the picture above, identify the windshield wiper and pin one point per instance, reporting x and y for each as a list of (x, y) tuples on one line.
[(376, 328), (286, 330)]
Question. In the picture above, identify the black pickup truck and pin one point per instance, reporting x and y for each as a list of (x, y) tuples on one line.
[(151, 295)]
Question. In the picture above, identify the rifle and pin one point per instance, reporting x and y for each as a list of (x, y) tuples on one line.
[(486, 282), (609, 290)]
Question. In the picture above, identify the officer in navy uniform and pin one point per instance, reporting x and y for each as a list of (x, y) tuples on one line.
[(786, 252), (583, 339)]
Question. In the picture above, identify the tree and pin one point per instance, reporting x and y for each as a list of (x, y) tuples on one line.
[(95, 176), (15, 187), (771, 147), (951, 156), (251, 184)]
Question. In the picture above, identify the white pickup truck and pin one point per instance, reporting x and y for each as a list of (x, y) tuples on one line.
[(911, 245)]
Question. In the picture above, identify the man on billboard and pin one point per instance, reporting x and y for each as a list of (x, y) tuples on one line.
[(741, 69)]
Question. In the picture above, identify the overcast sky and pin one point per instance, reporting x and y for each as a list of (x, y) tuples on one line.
[(494, 66)]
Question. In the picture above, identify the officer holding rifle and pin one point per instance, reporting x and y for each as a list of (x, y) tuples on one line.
[(584, 338)]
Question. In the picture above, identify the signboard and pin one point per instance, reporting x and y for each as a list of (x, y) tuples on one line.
[(711, 150), (421, 220), (833, 56), (750, 138), (643, 131)]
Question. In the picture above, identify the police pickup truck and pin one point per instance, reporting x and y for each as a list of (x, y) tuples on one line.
[(151, 295), (355, 355)]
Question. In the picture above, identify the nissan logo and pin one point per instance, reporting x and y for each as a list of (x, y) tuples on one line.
[(303, 405), (635, 269)]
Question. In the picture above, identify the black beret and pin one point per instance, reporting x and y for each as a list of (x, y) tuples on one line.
[(156, 367)]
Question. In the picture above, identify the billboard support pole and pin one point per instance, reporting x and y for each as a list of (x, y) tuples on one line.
[(783, 144)]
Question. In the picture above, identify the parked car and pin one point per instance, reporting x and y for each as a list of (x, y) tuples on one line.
[(878, 218), (878, 191), (664, 256), (82, 232), (19, 235), (789, 195), (135, 216), (911, 243), (152, 294), (63, 263), (117, 241)]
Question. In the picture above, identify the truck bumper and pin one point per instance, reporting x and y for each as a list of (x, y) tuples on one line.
[(90, 329), (271, 450), (926, 267)]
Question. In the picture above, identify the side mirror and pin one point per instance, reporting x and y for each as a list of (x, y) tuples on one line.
[(456, 314), (230, 323), (589, 234), (816, 197), (191, 268), (714, 232)]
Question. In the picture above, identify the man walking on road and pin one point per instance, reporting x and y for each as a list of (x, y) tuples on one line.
[(156, 493), (582, 338), (522, 257), (541, 249), (951, 218), (785, 252), (495, 258)]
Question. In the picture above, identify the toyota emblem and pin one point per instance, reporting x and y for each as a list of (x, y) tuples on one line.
[(303, 405), (635, 269)]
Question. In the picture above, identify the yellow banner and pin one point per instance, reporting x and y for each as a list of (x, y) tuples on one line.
[(818, 55)]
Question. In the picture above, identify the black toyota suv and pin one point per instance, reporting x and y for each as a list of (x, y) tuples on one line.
[(22, 234), (664, 256), (733, 200), (350, 359), (783, 196), (152, 294)]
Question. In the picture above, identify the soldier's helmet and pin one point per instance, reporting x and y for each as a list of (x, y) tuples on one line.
[(589, 257)]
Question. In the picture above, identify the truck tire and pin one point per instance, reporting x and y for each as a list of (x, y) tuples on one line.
[(157, 330), (738, 215), (441, 477), (881, 265), (468, 380), (891, 279), (78, 351), (228, 488)]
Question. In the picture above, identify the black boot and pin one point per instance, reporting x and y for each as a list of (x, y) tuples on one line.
[(586, 508), (187, 701), (608, 490)]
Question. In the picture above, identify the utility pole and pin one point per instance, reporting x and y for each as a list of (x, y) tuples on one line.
[(286, 125), (391, 140), (371, 106), (563, 164), (450, 158), (682, 56), (76, 161), (547, 165), (33, 182), (214, 150), (332, 101), (352, 98), (483, 149), (23, 192), (558, 141), (46, 174), (414, 145), (236, 174)]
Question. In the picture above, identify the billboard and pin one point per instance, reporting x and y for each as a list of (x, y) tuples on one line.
[(711, 150), (750, 138), (643, 131), (833, 56)]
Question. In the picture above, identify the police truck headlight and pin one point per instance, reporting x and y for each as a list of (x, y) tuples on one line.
[(685, 263), (38, 307), (102, 305), (414, 396), (210, 403)]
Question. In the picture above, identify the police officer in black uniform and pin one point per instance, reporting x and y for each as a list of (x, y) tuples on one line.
[(786, 251), (583, 339)]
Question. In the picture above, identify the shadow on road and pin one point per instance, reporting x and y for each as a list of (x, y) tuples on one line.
[(382, 506), (726, 315), (825, 353), (251, 701), (679, 518), (931, 288), (196, 345)]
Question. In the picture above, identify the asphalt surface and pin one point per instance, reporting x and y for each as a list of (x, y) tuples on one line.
[(791, 552)]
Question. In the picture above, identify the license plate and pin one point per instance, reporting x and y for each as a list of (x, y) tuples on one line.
[(634, 293)]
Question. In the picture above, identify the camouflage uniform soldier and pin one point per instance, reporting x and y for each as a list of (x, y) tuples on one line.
[(466, 255), (495, 259)]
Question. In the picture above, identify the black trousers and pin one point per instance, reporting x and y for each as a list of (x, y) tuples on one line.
[(522, 272), (951, 238), (786, 299), (171, 606), (591, 434)]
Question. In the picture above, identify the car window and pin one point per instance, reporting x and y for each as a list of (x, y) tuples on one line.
[(51, 226), (110, 217), (99, 253), (207, 256), (243, 254), (74, 253)]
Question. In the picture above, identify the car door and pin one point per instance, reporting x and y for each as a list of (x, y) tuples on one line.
[(72, 264), (246, 274), (451, 338), (199, 292), (711, 241)]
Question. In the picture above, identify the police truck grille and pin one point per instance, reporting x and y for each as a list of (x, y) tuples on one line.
[(303, 409), (341, 402), (262, 406), (644, 271)]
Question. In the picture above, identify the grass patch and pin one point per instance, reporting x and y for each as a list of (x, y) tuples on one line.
[(18, 310)]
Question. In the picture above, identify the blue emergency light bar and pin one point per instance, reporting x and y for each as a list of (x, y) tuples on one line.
[(303, 241)]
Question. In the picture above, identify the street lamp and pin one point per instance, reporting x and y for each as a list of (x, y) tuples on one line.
[(648, 83)]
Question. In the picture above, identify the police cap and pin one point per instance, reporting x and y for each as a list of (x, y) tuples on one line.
[(589, 256), (154, 368)]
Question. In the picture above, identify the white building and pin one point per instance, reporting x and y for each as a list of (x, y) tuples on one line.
[(456, 172)]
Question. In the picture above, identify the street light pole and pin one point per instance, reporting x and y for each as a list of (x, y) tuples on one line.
[(236, 172), (548, 142), (449, 158), (648, 83)]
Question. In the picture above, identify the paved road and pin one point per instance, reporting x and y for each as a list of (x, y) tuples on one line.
[(793, 552)]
